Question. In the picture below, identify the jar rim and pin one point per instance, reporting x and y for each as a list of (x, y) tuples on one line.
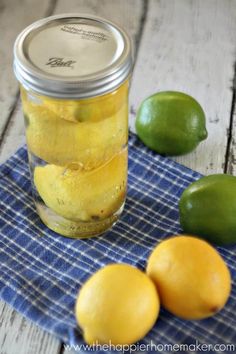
[(93, 36)]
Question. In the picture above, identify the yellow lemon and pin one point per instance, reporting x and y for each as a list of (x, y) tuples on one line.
[(192, 279), (83, 195), (119, 304), (91, 109), (64, 141)]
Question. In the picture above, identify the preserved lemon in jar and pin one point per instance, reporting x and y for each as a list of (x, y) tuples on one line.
[(74, 76)]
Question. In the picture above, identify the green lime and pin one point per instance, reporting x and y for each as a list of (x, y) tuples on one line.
[(208, 209), (171, 123)]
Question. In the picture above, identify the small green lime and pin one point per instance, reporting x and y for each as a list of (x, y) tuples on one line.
[(171, 123), (208, 208)]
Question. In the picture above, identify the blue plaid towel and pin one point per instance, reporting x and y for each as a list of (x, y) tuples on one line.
[(41, 272)]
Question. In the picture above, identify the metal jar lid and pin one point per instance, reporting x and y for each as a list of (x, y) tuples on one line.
[(72, 56)]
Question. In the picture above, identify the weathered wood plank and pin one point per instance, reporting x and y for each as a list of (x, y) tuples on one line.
[(126, 13), (14, 17), (231, 165), (14, 136), (20, 336), (190, 46)]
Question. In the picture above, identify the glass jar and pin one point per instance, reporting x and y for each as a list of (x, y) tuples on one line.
[(74, 73)]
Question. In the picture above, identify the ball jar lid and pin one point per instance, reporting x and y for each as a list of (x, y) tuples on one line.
[(72, 56)]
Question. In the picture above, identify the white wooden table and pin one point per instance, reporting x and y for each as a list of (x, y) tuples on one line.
[(179, 45)]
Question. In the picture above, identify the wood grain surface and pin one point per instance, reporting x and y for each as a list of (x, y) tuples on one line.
[(189, 46), (20, 336)]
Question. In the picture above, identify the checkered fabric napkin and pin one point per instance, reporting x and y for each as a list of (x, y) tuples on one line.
[(41, 272)]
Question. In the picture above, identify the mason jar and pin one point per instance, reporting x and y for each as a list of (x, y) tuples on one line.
[(74, 73)]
